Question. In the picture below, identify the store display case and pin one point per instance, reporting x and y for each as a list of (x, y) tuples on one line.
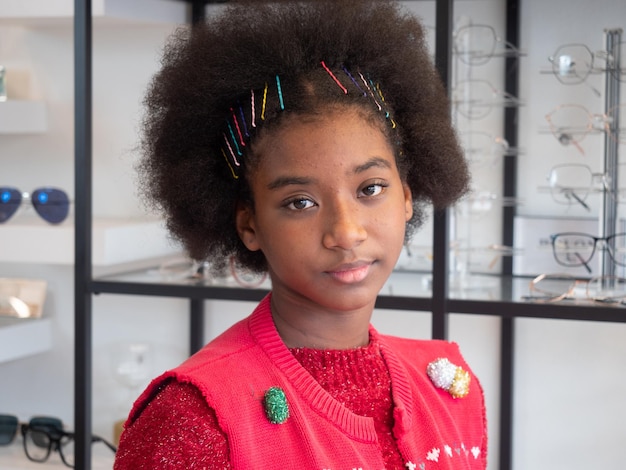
[(535, 174)]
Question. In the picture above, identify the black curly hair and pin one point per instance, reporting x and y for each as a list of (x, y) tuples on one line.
[(212, 71)]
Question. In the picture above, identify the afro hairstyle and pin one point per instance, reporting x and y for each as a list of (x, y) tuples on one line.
[(210, 68)]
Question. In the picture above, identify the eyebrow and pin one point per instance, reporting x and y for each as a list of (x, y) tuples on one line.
[(288, 180), (374, 162)]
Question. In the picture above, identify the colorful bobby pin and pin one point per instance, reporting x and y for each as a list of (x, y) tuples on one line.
[(238, 133)]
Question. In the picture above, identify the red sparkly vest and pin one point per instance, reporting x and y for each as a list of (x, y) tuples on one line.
[(234, 371)]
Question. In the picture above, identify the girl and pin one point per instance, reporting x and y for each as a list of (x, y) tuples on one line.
[(305, 139)]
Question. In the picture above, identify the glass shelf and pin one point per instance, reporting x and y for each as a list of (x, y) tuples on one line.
[(501, 296)]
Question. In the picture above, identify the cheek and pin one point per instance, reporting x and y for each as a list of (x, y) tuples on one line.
[(284, 241), (393, 226)]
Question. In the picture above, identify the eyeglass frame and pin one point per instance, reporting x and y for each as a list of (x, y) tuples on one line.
[(607, 241), (53, 431), (499, 148), (509, 49), (565, 138), (604, 179), (571, 289), (558, 66), (601, 54), (201, 272), (509, 100)]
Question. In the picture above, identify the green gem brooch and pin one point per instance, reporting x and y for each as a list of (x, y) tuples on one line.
[(275, 404)]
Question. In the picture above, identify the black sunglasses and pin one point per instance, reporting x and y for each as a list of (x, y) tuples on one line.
[(52, 204), (43, 435)]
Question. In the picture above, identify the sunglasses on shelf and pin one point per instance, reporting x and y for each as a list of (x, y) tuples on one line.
[(52, 204), (42, 436)]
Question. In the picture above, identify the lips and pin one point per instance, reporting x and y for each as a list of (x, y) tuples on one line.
[(351, 273)]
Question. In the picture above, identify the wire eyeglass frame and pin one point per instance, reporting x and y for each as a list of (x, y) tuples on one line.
[(558, 287)]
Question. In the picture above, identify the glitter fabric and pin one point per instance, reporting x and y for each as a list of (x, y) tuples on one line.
[(460, 385), (177, 430), (441, 372)]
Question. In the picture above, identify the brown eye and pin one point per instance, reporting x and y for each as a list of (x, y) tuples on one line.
[(373, 189), (300, 204)]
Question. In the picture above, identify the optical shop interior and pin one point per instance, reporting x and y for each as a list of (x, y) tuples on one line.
[(527, 273)]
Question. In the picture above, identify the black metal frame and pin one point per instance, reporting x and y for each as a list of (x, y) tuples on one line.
[(82, 231), (440, 304)]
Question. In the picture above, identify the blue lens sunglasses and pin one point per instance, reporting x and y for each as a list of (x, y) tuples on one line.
[(52, 204)]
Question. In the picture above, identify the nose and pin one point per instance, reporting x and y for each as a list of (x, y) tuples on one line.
[(344, 226)]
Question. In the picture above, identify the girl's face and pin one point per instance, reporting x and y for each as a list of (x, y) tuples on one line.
[(330, 211)]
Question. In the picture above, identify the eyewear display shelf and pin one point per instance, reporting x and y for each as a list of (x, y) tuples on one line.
[(501, 298)]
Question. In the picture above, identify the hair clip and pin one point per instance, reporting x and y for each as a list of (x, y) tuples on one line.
[(332, 75), (356, 84), (234, 140), (449, 377), (380, 108), (230, 150), (232, 170), (243, 120), (264, 103), (253, 110), (241, 141), (280, 93), (275, 404)]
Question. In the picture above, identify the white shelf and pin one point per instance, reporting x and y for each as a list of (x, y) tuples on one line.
[(114, 241), (22, 117), (24, 337), (50, 11)]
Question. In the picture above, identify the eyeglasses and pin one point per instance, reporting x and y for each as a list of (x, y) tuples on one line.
[(573, 249), (557, 287), (245, 277), (483, 149), (474, 98), (573, 63), (43, 435), (570, 123), (572, 183), (480, 202), (476, 44), (51, 204), (186, 269), (201, 272), (489, 255)]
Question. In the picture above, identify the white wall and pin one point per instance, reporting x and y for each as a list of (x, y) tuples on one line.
[(568, 411)]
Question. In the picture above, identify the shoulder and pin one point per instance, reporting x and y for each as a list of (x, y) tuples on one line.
[(171, 430)]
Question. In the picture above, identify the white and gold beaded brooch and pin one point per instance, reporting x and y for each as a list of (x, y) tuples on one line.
[(447, 376)]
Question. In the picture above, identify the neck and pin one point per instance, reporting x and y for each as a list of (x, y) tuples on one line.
[(300, 326)]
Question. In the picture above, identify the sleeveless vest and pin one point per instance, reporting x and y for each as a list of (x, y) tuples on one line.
[(433, 430)]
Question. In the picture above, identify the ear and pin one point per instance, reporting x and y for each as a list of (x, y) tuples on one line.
[(408, 202), (246, 227)]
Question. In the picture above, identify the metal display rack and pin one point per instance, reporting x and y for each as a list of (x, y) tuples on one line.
[(440, 304)]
